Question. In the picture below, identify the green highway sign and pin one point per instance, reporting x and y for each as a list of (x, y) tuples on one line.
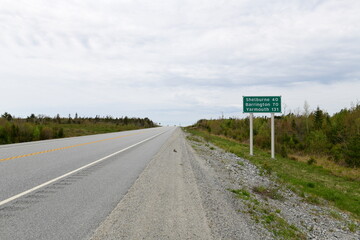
[(262, 104)]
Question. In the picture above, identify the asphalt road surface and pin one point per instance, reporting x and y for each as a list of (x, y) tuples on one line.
[(65, 188)]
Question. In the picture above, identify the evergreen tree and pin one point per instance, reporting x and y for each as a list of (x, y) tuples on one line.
[(7, 116), (319, 117), (58, 119)]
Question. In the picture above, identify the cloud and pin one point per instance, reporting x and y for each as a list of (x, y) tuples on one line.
[(190, 58)]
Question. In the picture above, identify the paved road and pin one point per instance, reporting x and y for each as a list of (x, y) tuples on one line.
[(71, 207)]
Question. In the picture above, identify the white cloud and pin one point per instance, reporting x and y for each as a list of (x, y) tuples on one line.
[(170, 59)]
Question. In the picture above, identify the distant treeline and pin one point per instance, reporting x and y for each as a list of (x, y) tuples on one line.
[(41, 127), (311, 133)]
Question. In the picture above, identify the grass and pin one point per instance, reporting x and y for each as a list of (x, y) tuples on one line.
[(266, 192), (194, 139), (268, 217), (334, 168), (352, 227), (309, 180), (241, 193), (73, 130), (335, 215), (240, 163)]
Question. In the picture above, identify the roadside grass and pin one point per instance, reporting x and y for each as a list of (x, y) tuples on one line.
[(194, 139), (308, 180), (269, 218), (241, 193), (266, 192), (74, 130), (334, 168), (335, 215)]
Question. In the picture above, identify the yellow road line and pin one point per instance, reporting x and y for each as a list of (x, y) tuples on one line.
[(62, 148)]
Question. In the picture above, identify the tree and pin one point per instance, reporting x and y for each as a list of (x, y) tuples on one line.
[(352, 152), (31, 118), (61, 133), (7, 116), (306, 114), (58, 119), (319, 117)]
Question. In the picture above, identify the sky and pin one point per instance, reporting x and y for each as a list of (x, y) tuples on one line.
[(176, 61)]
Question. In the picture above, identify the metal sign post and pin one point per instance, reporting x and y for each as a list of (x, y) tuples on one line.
[(251, 134), (262, 104), (272, 135)]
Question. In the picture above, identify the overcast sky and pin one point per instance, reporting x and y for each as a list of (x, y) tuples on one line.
[(176, 61)]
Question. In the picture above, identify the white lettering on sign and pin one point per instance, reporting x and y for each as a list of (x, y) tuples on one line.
[(257, 104), (258, 109), (258, 99)]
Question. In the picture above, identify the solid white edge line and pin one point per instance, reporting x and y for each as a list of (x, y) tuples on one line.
[(74, 171)]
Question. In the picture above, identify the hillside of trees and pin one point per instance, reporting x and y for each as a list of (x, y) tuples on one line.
[(41, 127), (312, 133)]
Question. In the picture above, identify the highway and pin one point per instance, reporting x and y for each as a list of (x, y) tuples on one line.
[(64, 188)]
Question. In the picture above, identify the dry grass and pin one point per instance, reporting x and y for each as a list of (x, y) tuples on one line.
[(334, 168)]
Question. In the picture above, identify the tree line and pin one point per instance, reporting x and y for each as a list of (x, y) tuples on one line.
[(312, 133), (32, 128)]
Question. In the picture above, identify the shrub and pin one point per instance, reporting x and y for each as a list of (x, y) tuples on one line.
[(46, 133), (283, 151), (311, 161), (310, 185), (36, 133), (317, 142), (352, 153)]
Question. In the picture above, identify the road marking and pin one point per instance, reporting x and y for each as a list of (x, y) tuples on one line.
[(74, 171), (62, 148)]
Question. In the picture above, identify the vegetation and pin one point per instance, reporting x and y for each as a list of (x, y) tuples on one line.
[(33, 128), (268, 192), (315, 134), (268, 217), (310, 181)]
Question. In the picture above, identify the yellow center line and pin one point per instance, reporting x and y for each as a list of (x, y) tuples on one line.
[(62, 148)]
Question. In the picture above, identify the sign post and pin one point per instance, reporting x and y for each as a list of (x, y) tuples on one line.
[(272, 135), (262, 104), (251, 134)]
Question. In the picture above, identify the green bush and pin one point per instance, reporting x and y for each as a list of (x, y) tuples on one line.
[(317, 142), (352, 152), (46, 133), (311, 161), (283, 151)]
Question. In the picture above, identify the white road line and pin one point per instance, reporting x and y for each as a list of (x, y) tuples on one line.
[(74, 171)]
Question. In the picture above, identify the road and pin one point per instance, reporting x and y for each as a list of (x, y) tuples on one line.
[(64, 189)]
